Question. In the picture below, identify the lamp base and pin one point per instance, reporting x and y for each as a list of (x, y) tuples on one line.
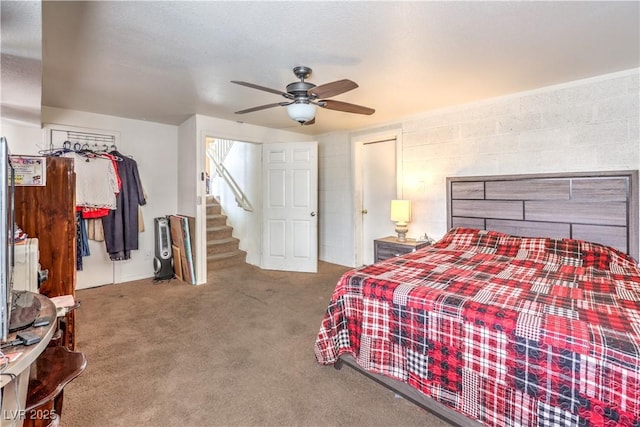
[(402, 229)]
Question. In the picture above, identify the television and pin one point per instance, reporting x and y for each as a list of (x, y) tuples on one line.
[(7, 237)]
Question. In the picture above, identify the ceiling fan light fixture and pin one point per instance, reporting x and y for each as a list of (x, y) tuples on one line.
[(301, 112), (303, 98)]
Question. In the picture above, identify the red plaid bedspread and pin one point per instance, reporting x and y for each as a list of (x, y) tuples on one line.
[(507, 330)]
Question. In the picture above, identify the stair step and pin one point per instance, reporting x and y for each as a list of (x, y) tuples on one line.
[(213, 209), (219, 232), (222, 241), (216, 220), (218, 246), (227, 259), (222, 248)]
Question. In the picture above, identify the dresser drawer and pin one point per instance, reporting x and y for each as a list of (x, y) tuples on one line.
[(390, 247), (386, 250)]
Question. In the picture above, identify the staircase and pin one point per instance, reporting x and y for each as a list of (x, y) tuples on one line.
[(222, 249)]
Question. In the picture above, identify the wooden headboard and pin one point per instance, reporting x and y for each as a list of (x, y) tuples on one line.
[(600, 207)]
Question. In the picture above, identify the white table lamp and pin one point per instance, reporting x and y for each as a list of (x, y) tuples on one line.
[(401, 215)]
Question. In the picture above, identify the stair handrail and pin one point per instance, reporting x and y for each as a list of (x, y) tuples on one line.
[(222, 149), (238, 194)]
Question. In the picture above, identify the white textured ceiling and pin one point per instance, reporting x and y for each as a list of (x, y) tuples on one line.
[(21, 62), (164, 61)]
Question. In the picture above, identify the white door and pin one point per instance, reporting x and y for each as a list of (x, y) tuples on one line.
[(290, 206), (378, 189)]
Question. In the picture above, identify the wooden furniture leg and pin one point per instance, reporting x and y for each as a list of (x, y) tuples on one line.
[(52, 370)]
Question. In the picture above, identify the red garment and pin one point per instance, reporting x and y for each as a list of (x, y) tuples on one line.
[(88, 213)]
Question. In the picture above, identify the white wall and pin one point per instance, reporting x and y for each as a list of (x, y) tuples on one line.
[(335, 199), (22, 138), (154, 147), (244, 164), (190, 202), (587, 125), (187, 172)]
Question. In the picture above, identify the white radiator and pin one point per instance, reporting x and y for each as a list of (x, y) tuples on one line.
[(25, 273)]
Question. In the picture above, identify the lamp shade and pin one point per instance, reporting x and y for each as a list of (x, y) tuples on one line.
[(401, 211), (301, 112)]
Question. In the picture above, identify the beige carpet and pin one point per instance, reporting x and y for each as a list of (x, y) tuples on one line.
[(237, 351)]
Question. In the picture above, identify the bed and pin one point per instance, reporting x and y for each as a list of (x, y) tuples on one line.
[(527, 312)]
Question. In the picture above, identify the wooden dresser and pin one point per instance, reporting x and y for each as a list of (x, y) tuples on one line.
[(48, 213)]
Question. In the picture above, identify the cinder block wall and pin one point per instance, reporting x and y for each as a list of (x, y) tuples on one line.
[(588, 125)]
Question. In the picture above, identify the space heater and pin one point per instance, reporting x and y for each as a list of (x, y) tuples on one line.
[(163, 261)]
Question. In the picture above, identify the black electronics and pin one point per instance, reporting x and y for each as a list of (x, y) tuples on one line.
[(7, 236), (25, 308), (41, 321), (28, 338), (163, 261)]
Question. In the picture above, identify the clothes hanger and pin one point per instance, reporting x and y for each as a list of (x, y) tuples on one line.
[(67, 146)]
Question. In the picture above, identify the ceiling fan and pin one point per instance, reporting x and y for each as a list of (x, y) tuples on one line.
[(303, 97)]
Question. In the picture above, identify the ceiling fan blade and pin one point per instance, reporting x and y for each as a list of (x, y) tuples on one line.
[(262, 107), (345, 106), (266, 89), (332, 89)]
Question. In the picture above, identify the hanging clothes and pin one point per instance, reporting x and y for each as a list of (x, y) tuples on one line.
[(96, 188), (96, 181), (94, 229), (121, 225), (82, 241)]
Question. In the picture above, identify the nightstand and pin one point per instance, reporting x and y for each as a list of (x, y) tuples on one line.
[(389, 247)]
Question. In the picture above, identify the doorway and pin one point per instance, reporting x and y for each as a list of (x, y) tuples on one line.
[(377, 172), (290, 204), (245, 178)]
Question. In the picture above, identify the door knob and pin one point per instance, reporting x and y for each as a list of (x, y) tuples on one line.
[(364, 211), (313, 214)]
